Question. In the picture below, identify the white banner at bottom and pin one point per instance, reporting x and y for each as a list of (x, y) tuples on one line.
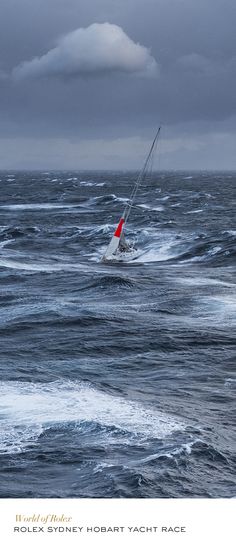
[(96, 522)]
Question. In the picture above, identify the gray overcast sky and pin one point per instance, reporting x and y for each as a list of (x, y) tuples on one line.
[(78, 93)]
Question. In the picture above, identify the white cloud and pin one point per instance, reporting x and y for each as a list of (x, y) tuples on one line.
[(195, 62), (97, 49), (205, 66)]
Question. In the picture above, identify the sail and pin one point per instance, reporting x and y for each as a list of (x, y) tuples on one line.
[(115, 240), (118, 241)]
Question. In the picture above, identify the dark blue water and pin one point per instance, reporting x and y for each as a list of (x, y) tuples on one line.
[(117, 380)]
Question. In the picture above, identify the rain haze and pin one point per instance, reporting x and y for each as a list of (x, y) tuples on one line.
[(85, 84)]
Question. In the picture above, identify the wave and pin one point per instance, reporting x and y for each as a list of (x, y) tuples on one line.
[(221, 306), (203, 281), (211, 252), (183, 449), (230, 382), (27, 266), (38, 206), (156, 246), (194, 211), (230, 232), (166, 251), (28, 409), (4, 243), (90, 183), (147, 207), (109, 198), (42, 266), (150, 246), (110, 281), (14, 232), (195, 447)]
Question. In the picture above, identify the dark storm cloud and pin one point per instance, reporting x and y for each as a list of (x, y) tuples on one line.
[(193, 43)]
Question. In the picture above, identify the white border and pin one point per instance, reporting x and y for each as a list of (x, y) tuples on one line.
[(204, 522)]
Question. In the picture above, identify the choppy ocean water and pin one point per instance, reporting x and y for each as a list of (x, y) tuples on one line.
[(117, 380)]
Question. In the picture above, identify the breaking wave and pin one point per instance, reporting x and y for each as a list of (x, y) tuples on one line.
[(28, 409)]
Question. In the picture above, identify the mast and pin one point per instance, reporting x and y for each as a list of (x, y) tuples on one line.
[(141, 177), (119, 234)]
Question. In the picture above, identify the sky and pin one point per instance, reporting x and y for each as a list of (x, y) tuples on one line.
[(84, 84)]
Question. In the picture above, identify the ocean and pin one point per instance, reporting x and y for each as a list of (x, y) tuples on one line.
[(117, 380)]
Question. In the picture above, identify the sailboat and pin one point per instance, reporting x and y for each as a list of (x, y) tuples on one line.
[(118, 244)]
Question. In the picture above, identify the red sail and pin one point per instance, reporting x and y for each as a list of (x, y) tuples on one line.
[(119, 228)]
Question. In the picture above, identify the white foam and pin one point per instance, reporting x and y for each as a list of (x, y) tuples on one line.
[(27, 409), (229, 382), (128, 256), (194, 211), (4, 243), (89, 183), (202, 281), (13, 264), (221, 309), (165, 251), (37, 206), (230, 232), (214, 250), (42, 266), (163, 248), (183, 449), (121, 199), (147, 207), (228, 303)]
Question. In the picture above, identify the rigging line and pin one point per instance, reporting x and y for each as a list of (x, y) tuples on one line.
[(149, 171), (141, 177)]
